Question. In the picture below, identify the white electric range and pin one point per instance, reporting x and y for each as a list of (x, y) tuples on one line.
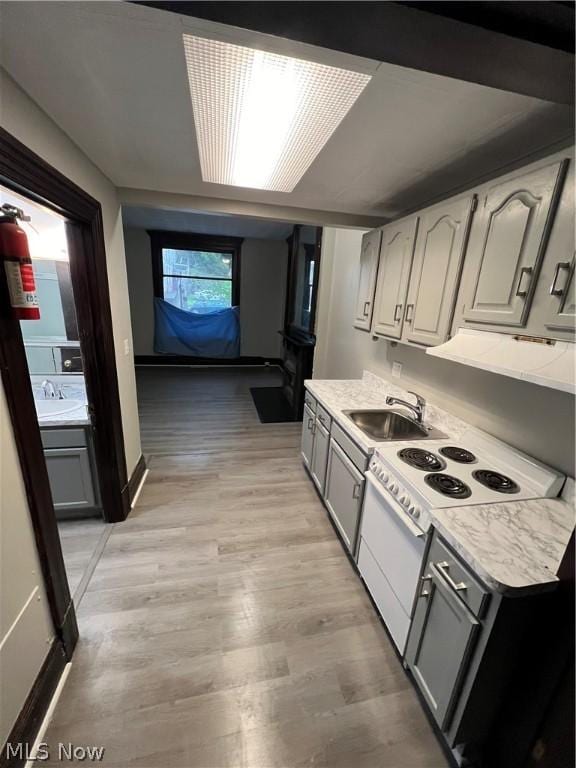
[(406, 480)]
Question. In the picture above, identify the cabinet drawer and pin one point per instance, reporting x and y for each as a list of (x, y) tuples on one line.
[(323, 417), (70, 477), (358, 457), (63, 438), (476, 595), (310, 401)]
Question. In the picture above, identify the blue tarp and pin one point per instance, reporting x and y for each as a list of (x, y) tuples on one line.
[(213, 334)]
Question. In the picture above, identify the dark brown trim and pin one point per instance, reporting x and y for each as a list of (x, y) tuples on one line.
[(67, 298), (136, 477), (160, 239), (204, 361), (318, 260), (30, 719), (18, 390), (27, 173)]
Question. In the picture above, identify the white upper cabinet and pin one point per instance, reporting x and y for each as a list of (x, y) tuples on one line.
[(367, 279), (507, 242), (436, 270), (558, 287), (393, 275)]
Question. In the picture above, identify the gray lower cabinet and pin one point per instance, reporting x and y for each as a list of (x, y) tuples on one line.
[(320, 456), (441, 641), (70, 476), (343, 493), (307, 442), (71, 470)]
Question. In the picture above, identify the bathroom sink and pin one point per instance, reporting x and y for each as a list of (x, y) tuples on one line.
[(391, 425)]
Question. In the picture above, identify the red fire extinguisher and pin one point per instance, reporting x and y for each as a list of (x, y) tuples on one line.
[(15, 256)]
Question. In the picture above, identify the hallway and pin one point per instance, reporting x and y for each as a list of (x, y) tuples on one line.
[(223, 625)]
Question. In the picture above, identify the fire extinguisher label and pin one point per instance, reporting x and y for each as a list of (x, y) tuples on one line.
[(20, 277)]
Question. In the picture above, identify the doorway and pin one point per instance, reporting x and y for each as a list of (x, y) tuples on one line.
[(24, 174)]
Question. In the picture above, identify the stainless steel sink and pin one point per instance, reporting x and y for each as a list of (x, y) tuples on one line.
[(391, 425)]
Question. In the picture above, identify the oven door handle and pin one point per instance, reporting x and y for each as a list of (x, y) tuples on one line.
[(391, 502)]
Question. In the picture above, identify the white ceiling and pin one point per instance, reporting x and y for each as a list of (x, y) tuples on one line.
[(113, 76), (204, 224)]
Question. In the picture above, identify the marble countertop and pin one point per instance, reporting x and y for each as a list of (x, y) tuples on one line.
[(63, 421), (515, 547)]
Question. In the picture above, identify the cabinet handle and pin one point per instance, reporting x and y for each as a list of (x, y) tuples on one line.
[(409, 314), (558, 291), (366, 308), (457, 587), (310, 422), (356, 490), (321, 420), (397, 313), (524, 291), (314, 428)]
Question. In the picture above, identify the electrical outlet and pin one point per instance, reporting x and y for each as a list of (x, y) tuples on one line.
[(396, 370), (126, 347)]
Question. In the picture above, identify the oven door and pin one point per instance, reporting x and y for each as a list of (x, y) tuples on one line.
[(390, 558)]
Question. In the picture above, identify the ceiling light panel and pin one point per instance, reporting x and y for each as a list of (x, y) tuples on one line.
[(262, 118)]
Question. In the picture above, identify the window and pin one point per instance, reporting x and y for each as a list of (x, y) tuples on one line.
[(197, 273)]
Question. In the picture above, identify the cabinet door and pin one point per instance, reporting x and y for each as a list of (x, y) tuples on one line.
[(562, 307), (70, 477), (506, 246), (320, 456), (308, 429), (343, 495), (393, 275), (367, 279), (440, 644), (435, 271)]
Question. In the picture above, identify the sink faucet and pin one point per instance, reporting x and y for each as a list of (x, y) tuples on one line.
[(52, 392), (418, 409)]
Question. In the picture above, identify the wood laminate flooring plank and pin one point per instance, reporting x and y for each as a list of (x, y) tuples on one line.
[(224, 625)]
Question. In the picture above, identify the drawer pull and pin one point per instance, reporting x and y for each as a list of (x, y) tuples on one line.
[(397, 313), (366, 308), (321, 419), (443, 568), (310, 422), (356, 490), (554, 291), (520, 291), (409, 312)]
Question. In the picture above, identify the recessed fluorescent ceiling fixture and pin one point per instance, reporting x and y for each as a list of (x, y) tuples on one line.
[(262, 118)]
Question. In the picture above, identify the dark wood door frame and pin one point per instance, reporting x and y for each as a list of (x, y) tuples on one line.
[(28, 174)]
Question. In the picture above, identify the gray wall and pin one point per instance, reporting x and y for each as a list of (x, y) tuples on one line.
[(536, 420), (262, 294)]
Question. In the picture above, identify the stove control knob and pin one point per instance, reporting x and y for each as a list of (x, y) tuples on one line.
[(416, 512), (384, 476), (404, 500), (394, 488)]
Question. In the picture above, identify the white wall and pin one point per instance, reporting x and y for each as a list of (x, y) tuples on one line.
[(536, 420), (26, 629), (22, 118), (262, 294)]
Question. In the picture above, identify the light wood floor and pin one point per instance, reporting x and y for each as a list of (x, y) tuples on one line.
[(224, 626), (80, 540)]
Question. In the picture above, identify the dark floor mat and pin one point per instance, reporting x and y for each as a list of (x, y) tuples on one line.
[(271, 404)]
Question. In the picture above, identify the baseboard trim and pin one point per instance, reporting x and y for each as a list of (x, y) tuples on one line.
[(35, 707), (210, 362), (136, 478)]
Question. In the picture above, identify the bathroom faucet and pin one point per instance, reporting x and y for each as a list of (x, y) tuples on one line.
[(52, 392), (418, 410)]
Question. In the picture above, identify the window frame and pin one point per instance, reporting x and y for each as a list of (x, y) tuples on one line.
[(189, 241)]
